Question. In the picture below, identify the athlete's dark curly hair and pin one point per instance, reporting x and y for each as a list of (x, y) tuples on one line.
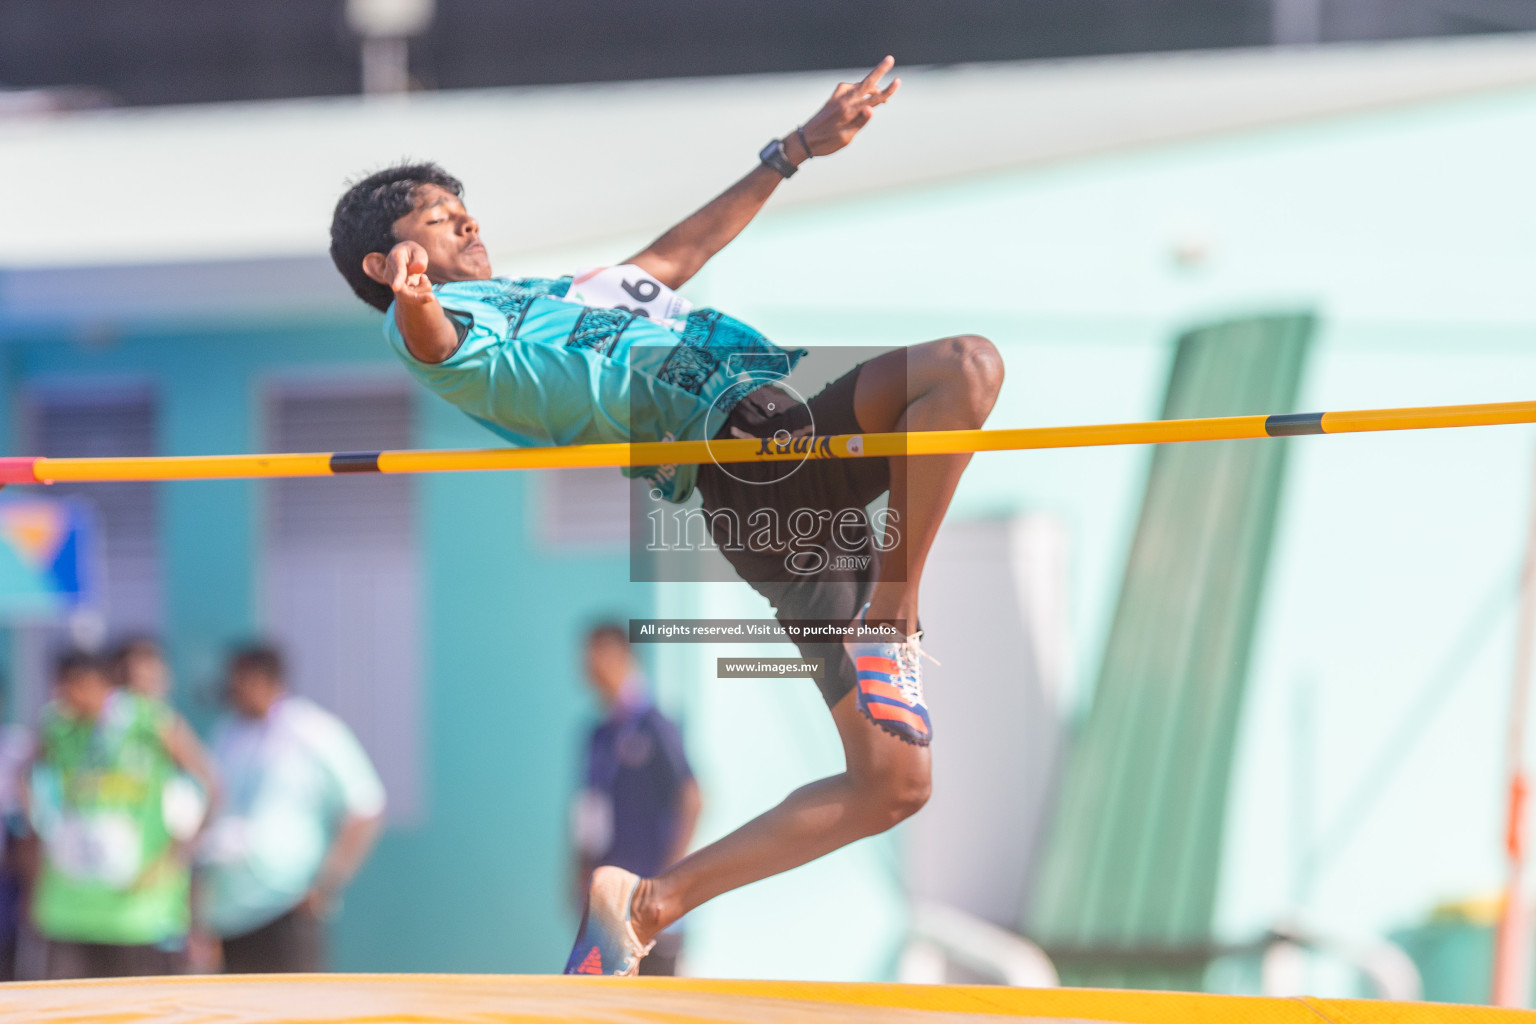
[(365, 216)]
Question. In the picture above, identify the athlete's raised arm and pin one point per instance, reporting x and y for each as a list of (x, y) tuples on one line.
[(680, 253)]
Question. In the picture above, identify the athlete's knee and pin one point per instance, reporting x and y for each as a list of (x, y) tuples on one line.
[(898, 791), (982, 364), (979, 368), (911, 792)]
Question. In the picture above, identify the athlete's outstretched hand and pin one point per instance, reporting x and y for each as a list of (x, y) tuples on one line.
[(849, 109), (406, 268), (679, 253)]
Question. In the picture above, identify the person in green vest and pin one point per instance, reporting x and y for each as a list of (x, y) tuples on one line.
[(112, 895)]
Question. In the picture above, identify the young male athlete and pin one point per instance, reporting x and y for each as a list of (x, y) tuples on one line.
[(614, 355)]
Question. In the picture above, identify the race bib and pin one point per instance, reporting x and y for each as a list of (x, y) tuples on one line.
[(183, 807), (98, 846), (629, 288)]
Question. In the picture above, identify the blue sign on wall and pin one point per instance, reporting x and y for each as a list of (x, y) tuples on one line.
[(48, 557)]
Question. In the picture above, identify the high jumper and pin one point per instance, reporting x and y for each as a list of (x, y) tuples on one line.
[(615, 356)]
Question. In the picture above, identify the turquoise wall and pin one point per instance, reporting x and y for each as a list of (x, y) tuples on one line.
[(478, 883), (482, 884)]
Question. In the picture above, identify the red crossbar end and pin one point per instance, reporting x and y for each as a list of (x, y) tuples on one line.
[(17, 471)]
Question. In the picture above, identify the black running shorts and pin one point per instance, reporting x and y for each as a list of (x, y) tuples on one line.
[(816, 492)]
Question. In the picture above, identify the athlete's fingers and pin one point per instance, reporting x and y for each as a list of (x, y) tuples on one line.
[(872, 80), (398, 260), (417, 287), (415, 257), (874, 99)]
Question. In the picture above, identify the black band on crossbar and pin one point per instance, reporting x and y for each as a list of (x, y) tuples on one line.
[(1292, 424), (355, 462)]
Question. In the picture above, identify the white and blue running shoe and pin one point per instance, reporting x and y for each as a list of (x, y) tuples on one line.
[(889, 684), (606, 942)]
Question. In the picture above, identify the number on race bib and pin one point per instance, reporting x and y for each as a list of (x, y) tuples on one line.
[(629, 289), (645, 290)]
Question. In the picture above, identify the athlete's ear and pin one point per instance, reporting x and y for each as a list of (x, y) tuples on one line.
[(376, 266)]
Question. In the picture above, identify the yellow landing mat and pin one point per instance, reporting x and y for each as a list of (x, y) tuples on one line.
[(486, 999)]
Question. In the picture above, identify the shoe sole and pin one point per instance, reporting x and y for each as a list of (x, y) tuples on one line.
[(889, 730)]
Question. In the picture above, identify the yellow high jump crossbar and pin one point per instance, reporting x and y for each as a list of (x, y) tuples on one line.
[(778, 449)]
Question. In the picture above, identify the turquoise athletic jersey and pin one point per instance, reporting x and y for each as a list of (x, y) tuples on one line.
[(538, 370)]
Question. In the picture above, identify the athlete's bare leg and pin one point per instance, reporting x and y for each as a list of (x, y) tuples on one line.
[(885, 781), (941, 385), (950, 384)]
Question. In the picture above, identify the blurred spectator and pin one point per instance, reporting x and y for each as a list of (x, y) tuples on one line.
[(305, 806), (17, 846), (138, 664), (639, 801), (111, 897)]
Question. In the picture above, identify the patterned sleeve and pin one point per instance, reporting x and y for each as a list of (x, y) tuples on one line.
[(477, 324)]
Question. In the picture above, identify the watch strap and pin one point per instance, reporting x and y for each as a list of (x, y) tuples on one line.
[(773, 155)]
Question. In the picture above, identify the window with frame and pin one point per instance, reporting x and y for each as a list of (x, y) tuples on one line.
[(70, 421), (341, 576)]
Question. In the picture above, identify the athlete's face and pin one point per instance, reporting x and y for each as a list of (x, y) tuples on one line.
[(440, 224)]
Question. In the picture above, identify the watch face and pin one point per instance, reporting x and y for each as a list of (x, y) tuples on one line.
[(773, 155)]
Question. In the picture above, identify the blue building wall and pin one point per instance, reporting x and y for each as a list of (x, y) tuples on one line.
[(479, 882)]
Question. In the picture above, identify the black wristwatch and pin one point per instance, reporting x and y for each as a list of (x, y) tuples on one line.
[(773, 155)]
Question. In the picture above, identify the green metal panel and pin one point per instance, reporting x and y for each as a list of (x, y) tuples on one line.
[(1454, 955), (1128, 883)]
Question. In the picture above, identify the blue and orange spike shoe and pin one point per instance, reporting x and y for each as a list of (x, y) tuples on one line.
[(606, 942), (889, 684)]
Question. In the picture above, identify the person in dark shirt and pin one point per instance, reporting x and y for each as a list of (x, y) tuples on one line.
[(639, 801)]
